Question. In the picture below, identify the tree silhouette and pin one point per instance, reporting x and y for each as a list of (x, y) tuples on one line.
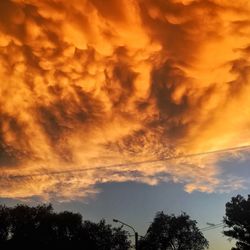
[(41, 228), (30, 225), (4, 224), (102, 236), (237, 219), (170, 232)]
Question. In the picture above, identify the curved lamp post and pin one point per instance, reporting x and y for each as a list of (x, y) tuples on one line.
[(136, 234)]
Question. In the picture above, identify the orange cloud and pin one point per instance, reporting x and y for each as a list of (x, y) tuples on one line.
[(93, 83)]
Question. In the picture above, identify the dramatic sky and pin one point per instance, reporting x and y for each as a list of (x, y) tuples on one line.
[(96, 94)]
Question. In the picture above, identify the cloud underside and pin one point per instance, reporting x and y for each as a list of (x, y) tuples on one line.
[(89, 84)]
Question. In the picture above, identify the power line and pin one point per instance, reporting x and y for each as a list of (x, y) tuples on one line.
[(212, 227), (163, 159)]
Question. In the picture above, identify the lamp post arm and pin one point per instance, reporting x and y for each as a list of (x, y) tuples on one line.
[(136, 234), (127, 225)]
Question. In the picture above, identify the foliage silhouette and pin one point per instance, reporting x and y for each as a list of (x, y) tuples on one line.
[(41, 228), (237, 220), (170, 232)]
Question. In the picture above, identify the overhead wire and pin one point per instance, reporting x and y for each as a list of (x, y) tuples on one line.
[(219, 225), (163, 159)]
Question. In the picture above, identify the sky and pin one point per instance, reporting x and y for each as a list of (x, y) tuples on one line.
[(137, 101)]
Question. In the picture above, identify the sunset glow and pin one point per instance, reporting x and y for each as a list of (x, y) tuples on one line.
[(89, 83)]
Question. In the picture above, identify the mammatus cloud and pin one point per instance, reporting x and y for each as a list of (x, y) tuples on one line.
[(91, 83)]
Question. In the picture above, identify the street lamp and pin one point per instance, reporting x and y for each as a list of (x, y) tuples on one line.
[(136, 234)]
